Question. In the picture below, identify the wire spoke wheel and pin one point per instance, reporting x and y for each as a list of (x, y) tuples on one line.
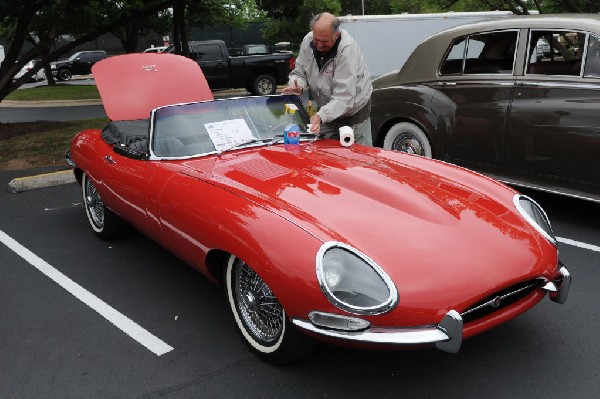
[(94, 204), (260, 317), (259, 309), (106, 224)]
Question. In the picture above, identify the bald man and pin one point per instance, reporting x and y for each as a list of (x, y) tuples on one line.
[(331, 66)]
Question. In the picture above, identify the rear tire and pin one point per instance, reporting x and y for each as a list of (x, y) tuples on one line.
[(260, 318), (409, 138), (264, 85), (106, 224)]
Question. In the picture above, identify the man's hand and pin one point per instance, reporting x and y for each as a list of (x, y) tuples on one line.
[(295, 89), (315, 124)]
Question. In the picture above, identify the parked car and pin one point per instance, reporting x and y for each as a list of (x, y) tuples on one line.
[(79, 63), (479, 96), (36, 77), (259, 74), (314, 240)]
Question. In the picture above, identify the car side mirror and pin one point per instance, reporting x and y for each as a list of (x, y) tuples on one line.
[(130, 152)]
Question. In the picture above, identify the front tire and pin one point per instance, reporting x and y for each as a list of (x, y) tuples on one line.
[(264, 85), (409, 138), (64, 74), (106, 224), (260, 318)]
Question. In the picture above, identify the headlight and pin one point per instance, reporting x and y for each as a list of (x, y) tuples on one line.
[(353, 282), (536, 216)]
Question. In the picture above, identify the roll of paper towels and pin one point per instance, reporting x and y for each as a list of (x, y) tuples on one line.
[(346, 136)]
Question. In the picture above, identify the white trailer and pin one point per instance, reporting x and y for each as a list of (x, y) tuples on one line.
[(387, 40)]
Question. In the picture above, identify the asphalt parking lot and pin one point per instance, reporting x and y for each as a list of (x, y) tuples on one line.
[(80, 317), (184, 342)]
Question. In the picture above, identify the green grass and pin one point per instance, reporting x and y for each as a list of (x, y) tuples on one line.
[(44, 146), (58, 92)]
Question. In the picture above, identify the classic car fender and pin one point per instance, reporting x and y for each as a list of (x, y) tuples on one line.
[(405, 104), (197, 217), (87, 152)]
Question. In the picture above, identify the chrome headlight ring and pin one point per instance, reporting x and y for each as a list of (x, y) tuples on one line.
[(536, 216), (353, 282)]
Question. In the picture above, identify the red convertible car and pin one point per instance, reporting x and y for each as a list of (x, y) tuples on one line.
[(316, 241)]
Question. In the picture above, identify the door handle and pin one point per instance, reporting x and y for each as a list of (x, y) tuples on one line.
[(445, 84), (527, 84), (109, 159)]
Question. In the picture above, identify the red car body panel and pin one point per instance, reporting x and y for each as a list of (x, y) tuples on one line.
[(146, 82), (446, 237), (248, 199)]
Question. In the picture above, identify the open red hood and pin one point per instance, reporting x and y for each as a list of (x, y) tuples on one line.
[(131, 85)]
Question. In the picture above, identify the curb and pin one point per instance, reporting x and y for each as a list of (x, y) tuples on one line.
[(48, 103), (45, 180)]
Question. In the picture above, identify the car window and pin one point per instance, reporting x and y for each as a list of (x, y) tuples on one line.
[(555, 52), (191, 129), (482, 53), (207, 52), (592, 62)]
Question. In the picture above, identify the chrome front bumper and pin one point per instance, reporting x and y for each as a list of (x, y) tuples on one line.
[(447, 335)]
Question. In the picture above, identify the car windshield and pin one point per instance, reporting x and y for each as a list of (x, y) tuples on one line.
[(187, 130)]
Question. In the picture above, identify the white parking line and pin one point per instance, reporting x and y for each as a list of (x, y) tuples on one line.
[(129, 327), (578, 244)]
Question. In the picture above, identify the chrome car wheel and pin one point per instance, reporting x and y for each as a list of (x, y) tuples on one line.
[(260, 317), (260, 310), (93, 204), (409, 138), (106, 224)]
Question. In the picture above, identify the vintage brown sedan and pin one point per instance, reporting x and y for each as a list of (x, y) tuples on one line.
[(517, 99)]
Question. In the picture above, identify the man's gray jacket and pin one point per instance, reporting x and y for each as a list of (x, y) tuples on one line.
[(342, 87)]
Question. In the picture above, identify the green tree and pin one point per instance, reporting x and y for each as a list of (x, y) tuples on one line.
[(130, 33), (289, 21), (200, 13), (371, 7), (43, 22), (522, 6)]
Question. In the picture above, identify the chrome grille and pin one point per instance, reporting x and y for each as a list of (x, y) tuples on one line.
[(500, 300)]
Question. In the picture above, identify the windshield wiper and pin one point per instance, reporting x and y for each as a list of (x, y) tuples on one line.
[(311, 136), (246, 142)]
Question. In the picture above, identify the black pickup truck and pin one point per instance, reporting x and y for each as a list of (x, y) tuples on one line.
[(259, 74)]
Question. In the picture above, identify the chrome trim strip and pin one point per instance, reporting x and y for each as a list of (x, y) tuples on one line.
[(447, 335), (68, 159), (527, 80), (550, 287), (452, 325), (495, 302), (564, 288), (526, 216), (546, 190)]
